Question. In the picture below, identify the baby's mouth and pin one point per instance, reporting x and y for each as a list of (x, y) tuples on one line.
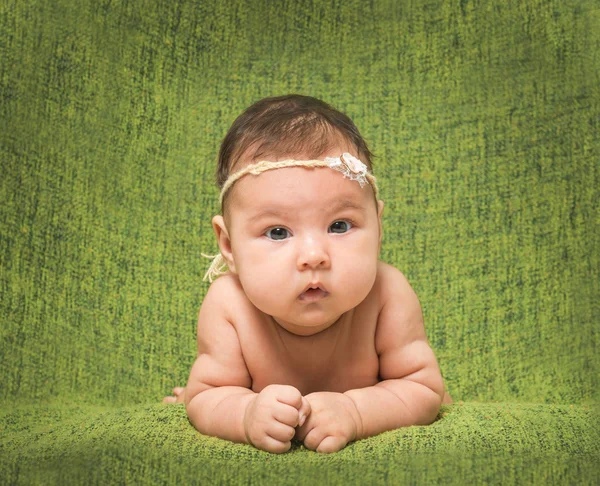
[(313, 294)]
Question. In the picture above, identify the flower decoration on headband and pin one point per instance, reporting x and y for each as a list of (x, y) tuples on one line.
[(351, 167)]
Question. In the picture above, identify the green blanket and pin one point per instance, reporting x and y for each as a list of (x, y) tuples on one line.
[(484, 118)]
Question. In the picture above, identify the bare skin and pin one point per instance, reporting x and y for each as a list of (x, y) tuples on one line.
[(340, 358), (308, 336), (322, 367)]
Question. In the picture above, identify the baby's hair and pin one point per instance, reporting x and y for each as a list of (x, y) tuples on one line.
[(284, 126)]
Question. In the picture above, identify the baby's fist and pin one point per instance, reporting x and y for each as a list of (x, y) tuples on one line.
[(272, 416), (334, 421)]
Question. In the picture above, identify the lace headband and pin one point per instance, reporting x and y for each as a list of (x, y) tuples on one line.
[(351, 167)]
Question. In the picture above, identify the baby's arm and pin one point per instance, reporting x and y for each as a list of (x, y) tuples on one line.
[(218, 389), (412, 388), (218, 398)]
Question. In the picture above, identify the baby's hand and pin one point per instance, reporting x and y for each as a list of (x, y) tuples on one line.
[(273, 414), (333, 422), (179, 396)]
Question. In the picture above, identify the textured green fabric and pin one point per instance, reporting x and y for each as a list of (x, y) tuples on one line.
[(484, 118), (499, 442)]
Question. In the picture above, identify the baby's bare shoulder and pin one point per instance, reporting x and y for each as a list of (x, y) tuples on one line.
[(400, 318), (226, 284), (392, 282), (226, 297)]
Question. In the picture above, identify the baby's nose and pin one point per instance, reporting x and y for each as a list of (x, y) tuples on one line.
[(313, 254)]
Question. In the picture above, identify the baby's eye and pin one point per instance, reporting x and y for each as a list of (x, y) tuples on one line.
[(340, 226), (277, 233)]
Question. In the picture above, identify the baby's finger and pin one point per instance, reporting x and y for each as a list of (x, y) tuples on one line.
[(314, 437), (302, 432), (289, 395), (280, 432), (331, 443), (304, 411), (269, 444), (286, 414)]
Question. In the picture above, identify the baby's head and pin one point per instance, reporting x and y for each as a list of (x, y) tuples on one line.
[(286, 127), (315, 221)]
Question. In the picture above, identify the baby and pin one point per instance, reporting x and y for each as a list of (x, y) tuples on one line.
[(306, 335)]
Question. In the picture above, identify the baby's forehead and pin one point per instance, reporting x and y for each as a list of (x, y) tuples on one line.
[(297, 188), (260, 149)]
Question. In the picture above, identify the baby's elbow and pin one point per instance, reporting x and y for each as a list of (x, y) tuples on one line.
[(433, 397), (438, 387), (192, 390), (430, 406)]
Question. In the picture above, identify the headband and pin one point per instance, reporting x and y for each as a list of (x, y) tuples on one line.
[(351, 167)]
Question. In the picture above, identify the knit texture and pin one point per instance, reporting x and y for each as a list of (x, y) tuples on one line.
[(484, 118)]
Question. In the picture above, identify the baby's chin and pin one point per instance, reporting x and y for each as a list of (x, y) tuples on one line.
[(305, 329)]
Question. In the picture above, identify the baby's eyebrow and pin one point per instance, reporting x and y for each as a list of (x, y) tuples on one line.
[(346, 204), (340, 205), (265, 214)]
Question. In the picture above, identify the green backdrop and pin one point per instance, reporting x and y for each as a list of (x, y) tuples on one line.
[(484, 118)]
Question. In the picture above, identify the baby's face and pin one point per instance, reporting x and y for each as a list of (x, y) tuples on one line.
[(295, 228)]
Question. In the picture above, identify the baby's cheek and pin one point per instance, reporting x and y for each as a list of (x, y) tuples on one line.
[(259, 284), (357, 278)]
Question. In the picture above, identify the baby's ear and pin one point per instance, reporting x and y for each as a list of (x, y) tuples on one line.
[(224, 241)]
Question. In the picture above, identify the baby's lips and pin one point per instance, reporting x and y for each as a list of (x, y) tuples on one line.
[(313, 295), (316, 285)]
